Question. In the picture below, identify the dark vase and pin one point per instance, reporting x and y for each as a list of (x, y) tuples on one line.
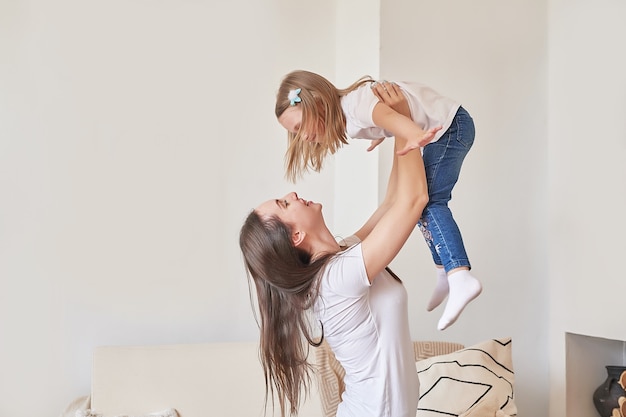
[(606, 396)]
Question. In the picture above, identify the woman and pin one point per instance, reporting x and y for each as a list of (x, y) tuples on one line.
[(297, 266)]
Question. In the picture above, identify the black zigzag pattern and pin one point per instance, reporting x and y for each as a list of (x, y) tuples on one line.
[(475, 381)]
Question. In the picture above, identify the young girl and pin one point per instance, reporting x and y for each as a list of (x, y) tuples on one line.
[(319, 118), (296, 265)]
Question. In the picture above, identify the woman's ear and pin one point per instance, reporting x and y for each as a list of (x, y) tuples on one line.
[(297, 238)]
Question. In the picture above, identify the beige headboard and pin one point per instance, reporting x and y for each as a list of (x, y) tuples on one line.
[(198, 380)]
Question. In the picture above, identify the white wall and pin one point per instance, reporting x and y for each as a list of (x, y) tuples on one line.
[(134, 138), (587, 150), (492, 57), (587, 154)]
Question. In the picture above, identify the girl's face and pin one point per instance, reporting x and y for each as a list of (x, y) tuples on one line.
[(293, 211), (291, 119)]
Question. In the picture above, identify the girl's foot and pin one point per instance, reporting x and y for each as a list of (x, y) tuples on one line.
[(463, 289), (441, 290)]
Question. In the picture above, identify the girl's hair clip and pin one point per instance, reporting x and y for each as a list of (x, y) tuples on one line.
[(294, 97)]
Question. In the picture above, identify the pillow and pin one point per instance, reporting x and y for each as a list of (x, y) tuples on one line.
[(473, 382)]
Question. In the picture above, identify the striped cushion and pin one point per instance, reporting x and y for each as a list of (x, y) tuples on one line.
[(473, 382)]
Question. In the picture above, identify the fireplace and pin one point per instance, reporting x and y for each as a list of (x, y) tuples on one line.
[(585, 361)]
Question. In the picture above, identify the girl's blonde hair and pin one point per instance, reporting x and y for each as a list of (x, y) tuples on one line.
[(321, 104)]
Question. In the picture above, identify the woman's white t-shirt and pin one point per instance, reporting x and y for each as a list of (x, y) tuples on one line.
[(366, 326), (428, 109)]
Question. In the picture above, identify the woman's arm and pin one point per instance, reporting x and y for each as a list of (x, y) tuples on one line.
[(390, 194), (387, 230), (391, 95)]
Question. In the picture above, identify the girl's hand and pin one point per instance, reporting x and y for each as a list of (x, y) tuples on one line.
[(374, 144), (420, 141), (390, 94)]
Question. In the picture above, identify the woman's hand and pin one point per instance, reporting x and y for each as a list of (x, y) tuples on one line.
[(391, 94)]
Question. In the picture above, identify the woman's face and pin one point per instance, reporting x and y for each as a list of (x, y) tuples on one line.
[(293, 211), (291, 119)]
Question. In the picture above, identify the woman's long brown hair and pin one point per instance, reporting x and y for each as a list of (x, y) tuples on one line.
[(286, 280), (321, 105)]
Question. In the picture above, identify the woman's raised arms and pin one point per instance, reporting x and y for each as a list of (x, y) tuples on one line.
[(384, 234)]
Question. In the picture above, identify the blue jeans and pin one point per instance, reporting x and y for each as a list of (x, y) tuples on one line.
[(443, 160)]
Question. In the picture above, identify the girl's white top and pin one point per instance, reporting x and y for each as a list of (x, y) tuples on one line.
[(428, 109), (367, 327)]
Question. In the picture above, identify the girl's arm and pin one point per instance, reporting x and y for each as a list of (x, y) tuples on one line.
[(389, 119), (387, 230)]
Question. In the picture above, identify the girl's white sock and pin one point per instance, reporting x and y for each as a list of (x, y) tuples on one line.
[(441, 290), (463, 289)]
